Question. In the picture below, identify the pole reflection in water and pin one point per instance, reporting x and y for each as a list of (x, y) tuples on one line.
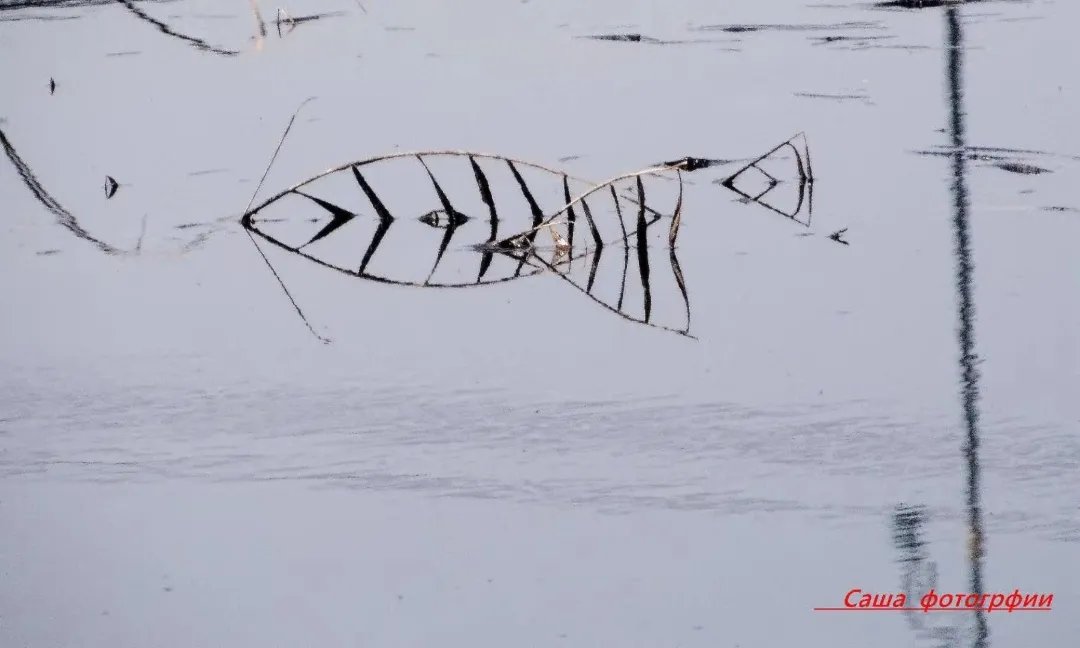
[(966, 308), (919, 571)]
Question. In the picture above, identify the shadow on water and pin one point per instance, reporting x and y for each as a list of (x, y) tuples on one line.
[(919, 573)]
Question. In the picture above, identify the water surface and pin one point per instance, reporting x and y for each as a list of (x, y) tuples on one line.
[(182, 462)]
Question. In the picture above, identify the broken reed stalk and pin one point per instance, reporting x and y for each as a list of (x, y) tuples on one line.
[(245, 220), (806, 179), (804, 174), (259, 22), (536, 261), (598, 187), (473, 155)]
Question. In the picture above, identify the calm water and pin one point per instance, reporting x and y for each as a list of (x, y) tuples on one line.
[(521, 458)]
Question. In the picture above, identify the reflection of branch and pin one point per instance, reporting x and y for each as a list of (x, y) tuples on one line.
[(806, 180), (530, 234), (572, 207), (197, 43), (63, 216), (561, 270), (484, 188), (340, 216), (643, 250), (284, 288)]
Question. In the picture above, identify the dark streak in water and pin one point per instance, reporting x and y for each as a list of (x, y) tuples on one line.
[(622, 38), (34, 17), (641, 38), (932, 4), (1021, 168), (50, 4), (824, 40), (918, 572), (834, 97), (745, 28)]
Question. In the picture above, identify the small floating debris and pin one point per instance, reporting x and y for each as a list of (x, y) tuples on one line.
[(52, 86), (562, 246), (689, 164), (1060, 208), (111, 185), (838, 236), (634, 37), (622, 38), (440, 219), (283, 18), (834, 97), (203, 172), (48, 252)]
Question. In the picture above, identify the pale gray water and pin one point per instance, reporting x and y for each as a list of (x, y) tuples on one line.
[(182, 463)]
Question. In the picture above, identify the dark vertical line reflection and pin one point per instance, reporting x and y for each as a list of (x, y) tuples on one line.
[(966, 329)]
